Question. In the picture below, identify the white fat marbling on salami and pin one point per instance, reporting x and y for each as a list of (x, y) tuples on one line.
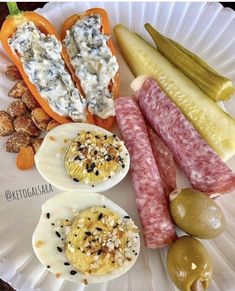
[(157, 225), (203, 167)]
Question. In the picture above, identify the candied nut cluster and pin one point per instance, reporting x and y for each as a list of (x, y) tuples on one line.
[(6, 126), (24, 119)]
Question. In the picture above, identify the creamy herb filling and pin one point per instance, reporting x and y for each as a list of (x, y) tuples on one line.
[(94, 64), (41, 59)]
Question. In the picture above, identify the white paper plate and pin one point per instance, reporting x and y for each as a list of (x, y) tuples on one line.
[(206, 28)]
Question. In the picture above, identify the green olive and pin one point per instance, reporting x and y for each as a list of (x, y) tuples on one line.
[(188, 263), (196, 214)]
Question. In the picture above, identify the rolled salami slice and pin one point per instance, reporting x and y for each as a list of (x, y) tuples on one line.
[(158, 228), (203, 167), (165, 161)]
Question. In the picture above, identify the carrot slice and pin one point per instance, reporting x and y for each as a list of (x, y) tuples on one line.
[(25, 158)]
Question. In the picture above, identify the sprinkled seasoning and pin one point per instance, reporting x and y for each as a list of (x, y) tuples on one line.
[(94, 157), (104, 239)]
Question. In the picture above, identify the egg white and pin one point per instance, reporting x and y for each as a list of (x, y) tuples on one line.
[(62, 207), (49, 159)]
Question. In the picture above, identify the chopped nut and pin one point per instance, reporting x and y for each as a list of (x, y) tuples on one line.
[(16, 108), (16, 141), (29, 100), (24, 123), (37, 143), (58, 275), (18, 90), (13, 73), (40, 118), (39, 243), (6, 126), (52, 124)]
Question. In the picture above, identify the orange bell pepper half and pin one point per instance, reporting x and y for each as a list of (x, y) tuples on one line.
[(114, 86), (9, 26)]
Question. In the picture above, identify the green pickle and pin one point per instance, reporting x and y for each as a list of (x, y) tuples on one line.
[(189, 264), (216, 86), (196, 214), (213, 124)]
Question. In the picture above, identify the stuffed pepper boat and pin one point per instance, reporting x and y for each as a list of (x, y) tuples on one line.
[(90, 56), (34, 46)]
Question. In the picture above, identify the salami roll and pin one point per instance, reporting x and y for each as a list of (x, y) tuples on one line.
[(203, 167), (165, 161), (158, 228)]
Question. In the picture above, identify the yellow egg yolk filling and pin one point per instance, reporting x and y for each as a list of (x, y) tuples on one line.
[(100, 241), (94, 157)]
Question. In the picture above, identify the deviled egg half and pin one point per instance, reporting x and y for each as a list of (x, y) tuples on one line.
[(82, 157), (85, 238)]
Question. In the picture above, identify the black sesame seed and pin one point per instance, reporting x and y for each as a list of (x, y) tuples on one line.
[(88, 132), (100, 216), (57, 233), (53, 224), (59, 249), (48, 215), (62, 239), (83, 252), (78, 227), (99, 252), (88, 218), (113, 262), (75, 235), (109, 177), (104, 206), (136, 254), (96, 136), (95, 152), (61, 226), (73, 272), (105, 136), (127, 217), (88, 233), (97, 173), (133, 251), (75, 180), (123, 166), (99, 229), (48, 267), (114, 135), (70, 242), (67, 264), (108, 158), (93, 186), (126, 154)]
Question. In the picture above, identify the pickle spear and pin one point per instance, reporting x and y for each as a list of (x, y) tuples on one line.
[(214, 85), (214, 125)]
